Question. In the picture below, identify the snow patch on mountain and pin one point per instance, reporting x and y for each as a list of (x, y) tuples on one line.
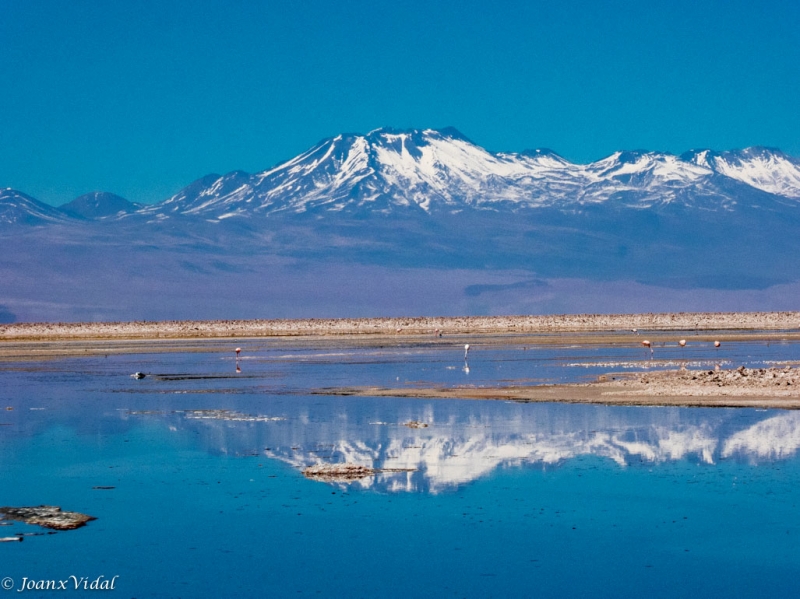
[(765, 169), (18, 208), (768, 170)]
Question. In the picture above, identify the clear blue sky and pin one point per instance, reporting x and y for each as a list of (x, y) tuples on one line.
[(142, 97)]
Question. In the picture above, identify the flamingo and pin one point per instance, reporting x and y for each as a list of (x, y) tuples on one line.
[(466, 351), (682, 342), (238, 350), (647, 344), (717, 344), (635, 331)]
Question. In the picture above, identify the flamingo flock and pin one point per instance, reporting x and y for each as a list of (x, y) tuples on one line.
[(681, 343)]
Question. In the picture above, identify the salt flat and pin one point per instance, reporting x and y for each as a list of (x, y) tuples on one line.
[(565, 323)]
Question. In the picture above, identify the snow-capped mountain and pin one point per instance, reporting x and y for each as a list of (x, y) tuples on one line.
[(457, 228), (442, 172), (18, 208), (434, 171), (767, 169)]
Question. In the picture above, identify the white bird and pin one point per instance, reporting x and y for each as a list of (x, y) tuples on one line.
[(466, 350), (238, 351), (682, 342), (635, 331), (716, 344)]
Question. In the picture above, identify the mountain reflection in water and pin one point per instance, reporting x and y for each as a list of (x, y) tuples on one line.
[(268, 409), (467, 440)]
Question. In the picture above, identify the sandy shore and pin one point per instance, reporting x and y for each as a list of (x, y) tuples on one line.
[(475, 325), (735, 388)]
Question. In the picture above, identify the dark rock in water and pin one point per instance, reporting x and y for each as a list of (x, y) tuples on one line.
[(138, 375), (345, 473), (101, 488), (48, 516), (338, 472)]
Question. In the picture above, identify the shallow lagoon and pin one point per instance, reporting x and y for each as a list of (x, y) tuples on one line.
[(504, 499)]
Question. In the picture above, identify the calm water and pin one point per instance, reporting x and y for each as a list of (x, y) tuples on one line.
[(502, 500)]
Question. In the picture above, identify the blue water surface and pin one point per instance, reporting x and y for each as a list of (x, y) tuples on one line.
[(490, 499)]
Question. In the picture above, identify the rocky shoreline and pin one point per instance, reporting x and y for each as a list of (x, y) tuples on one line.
[(741, 381), (564, 323), (740, 387)]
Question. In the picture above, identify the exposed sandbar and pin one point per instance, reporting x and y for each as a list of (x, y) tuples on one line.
[(737, 388)]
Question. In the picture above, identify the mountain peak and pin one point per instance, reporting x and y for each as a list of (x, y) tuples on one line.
[(634, 156), (98, 204), (418, 134), (541, 153), (767, 169), (19, 208), (454, 133)]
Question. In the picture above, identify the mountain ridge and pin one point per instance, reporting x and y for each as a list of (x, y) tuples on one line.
[(391, 171), (421, 223)]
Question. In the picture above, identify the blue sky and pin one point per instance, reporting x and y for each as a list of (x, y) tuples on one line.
[(141, 97)]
